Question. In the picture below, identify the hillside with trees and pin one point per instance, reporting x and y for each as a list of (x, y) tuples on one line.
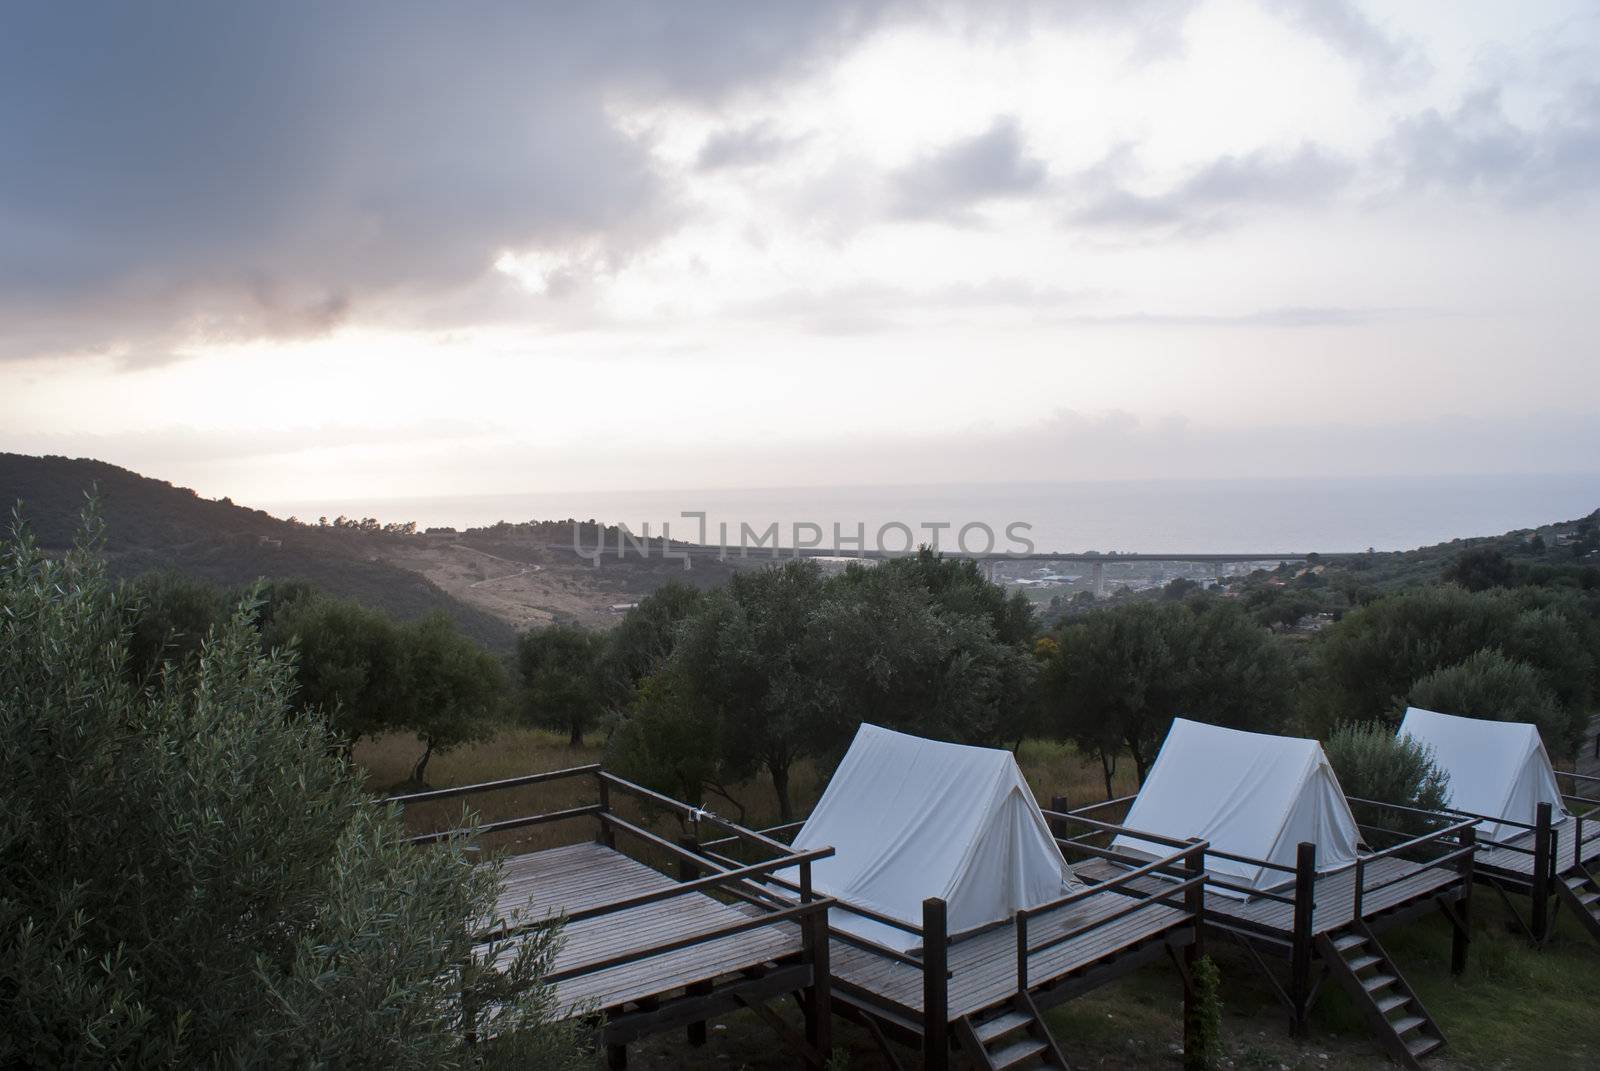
[(153, 525)]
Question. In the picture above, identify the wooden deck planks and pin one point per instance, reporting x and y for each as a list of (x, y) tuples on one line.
[(1334, 893), (581, 876), (1510, 861), (984, 967)]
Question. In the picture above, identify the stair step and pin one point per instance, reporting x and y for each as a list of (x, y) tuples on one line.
[(1421, 1046), (1361, 963), (1390, 1003), (1589, 899), (1348, 941), (1000, 1025), (1016, 1052), (1377, 982), (1408, 1024)]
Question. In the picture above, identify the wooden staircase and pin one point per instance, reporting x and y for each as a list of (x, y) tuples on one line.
[(1012, 1035), (1579, 890), (1403, 1026)]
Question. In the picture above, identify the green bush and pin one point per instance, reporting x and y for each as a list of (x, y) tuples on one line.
[(189, 878), (1374, 764), (1490, 685), (1203, 1048)]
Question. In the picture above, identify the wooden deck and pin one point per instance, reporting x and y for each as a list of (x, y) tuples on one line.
[(580, 876), (1509, 861), (1334, 896), (983, 967)]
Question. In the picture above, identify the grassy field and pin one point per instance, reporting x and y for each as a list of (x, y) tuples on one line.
[(1514, 1008)]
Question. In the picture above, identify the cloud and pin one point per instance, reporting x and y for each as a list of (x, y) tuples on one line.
[(868, 306), (204, 173), (951, 181), (1478, 148), (1215, 196), (1388, 60), (746, 146)]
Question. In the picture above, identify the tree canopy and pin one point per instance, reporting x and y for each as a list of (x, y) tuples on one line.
[(192, 878)]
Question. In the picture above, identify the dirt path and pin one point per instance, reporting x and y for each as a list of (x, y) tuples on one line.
[(524, 568)]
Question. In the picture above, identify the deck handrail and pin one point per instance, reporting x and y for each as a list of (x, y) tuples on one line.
[(1190, 861), (787, 914), (1076, 811), (1360, 889), (766, 832), (696, 813), (428, 795), (681, 888), (504, 824), (1157, 838)]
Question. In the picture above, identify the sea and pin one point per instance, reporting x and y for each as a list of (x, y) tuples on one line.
[(1265, 516)]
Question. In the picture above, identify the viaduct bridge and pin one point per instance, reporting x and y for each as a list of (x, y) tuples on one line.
[(1096, 562)]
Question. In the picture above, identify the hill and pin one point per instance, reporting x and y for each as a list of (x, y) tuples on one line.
[(152, 524)]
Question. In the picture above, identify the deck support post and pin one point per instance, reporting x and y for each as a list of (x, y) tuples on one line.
[(1462, 937), (935, 986), (1194, 902), (1543, 862), (694, 1033), (617, 1057), (1302, 948), (819, 1002)]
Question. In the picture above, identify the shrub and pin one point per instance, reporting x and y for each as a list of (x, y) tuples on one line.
[(1374, 764), (1203, 1039), (1490, 685), (189, 878)]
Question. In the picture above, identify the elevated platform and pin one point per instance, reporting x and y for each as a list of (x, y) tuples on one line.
[(1324, 926), (570, 880), (983, 967), (1394, 885), (643, 951)]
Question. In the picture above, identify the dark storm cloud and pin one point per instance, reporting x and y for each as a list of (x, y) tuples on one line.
[(1214, 196), (207, 172), (1477, 147), (949, 182)]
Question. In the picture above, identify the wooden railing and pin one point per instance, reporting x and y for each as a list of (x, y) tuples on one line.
[(741, 881), (1187, 895), (1462, 835)]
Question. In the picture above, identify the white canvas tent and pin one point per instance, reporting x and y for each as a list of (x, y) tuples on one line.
[(910, 818), (1497, 768), (1246, 793)]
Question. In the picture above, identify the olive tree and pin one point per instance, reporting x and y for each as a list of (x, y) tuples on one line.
[(191, 878)]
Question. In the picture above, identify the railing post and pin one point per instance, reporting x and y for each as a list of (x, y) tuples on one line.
[(1463, 933), (1022, 951), (1194, 903), (608, 836), (1543, 836), (1305, 891), (695, 1033), (1058, 828), (935, 986), (1358, 897), (819, 1004)]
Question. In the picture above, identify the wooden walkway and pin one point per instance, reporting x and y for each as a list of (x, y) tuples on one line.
[(569, 879), (1334, 895), (983, 967)]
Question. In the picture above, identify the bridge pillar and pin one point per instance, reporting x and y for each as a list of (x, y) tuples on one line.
[(1099, 575)]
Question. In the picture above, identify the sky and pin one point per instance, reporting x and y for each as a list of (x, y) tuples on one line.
[(305, 251)]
